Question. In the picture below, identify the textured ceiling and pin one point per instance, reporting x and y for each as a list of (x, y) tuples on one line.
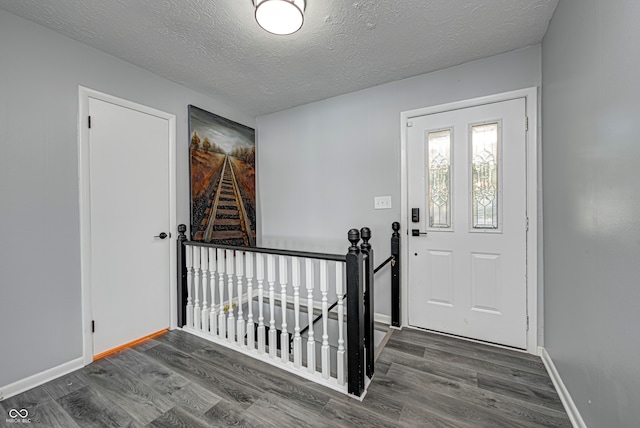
[(216, 47)]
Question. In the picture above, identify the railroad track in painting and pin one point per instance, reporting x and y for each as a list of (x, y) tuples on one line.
[(228, 221)]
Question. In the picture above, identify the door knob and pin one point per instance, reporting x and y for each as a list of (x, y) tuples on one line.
[(416, 232), (162, 235)]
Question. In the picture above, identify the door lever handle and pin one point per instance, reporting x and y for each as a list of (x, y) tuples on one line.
[(163, 235), (416, 232)]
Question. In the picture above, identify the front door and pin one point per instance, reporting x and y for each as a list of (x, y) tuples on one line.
[(468, 222), (129, 209)]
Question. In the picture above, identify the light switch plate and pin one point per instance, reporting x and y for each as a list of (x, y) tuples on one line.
[(382, 202)]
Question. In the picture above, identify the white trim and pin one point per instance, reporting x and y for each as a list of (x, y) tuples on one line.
[(563, 392), (382, 318), (531, 105), (38, 379), (85, 208)]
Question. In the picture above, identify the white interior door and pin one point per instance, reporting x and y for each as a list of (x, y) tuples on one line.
[(467, 178), (129, 208)]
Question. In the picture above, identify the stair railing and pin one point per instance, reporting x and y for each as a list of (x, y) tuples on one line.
[(394, 259), (228, 295)]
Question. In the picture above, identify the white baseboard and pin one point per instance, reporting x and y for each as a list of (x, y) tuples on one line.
[(382, 318), (563, 392), (38, 379)]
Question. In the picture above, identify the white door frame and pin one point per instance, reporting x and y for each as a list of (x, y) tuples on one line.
[(85, 207), (531, 97)]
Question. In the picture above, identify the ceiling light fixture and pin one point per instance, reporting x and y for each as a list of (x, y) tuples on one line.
[(280, 17)]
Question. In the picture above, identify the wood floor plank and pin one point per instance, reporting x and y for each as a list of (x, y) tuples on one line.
[(274, 411), (382, 366), (205, 375), (194, 398), (186, 343), (27, 399), (90, 409), (134, 397), (147, 344), (264, 376), (177, 417), (528, 393), (490, 367), (176, 388), (464, 347), (405, 347), (144, 368), (64, 385), (414, 416), (459, 373), (445, 406), (179, 379), (344, 414), (51, 415), (42, 409), (227, 414), (526, 413), (377, 403)]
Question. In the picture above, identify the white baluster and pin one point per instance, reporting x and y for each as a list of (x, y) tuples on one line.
[(239, 270), (311, 344), (231, 322), (198, 276), (324, 351), (271, 278), (260, 278), (250, 326), (284, 336), (297, 340), (213, 321), (341, 353), (222, 323), (189, 265), (204, 255)]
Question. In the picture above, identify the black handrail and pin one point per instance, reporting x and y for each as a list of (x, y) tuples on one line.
[(316, 319), (275, 251), (391, 259)]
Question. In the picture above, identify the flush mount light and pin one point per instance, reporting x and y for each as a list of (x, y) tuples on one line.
[(280, 16)]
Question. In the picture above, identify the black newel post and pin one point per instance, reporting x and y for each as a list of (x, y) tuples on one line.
[(395, 275), (367, 252), (182, 275), (355, 318)]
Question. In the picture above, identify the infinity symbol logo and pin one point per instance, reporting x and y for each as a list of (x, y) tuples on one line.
[(22, 413)]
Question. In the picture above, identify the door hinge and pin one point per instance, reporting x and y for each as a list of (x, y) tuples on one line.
[(526, 123), (527, 322), (93, 326), (527, 224), (89, 122), (409, 124)]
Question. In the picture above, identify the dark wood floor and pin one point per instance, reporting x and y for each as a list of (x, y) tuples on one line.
[(178, 380)]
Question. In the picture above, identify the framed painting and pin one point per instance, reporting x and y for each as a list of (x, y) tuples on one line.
[(222, 163)]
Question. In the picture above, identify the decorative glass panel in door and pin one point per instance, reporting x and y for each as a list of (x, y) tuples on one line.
[(439, 178), (484, 176)]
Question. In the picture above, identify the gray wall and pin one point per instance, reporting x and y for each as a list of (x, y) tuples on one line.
[(40, 312), (591, 160), (322, 164)]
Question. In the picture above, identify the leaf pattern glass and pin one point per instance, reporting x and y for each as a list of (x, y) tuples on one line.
[(484, 176), (439, 178)]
